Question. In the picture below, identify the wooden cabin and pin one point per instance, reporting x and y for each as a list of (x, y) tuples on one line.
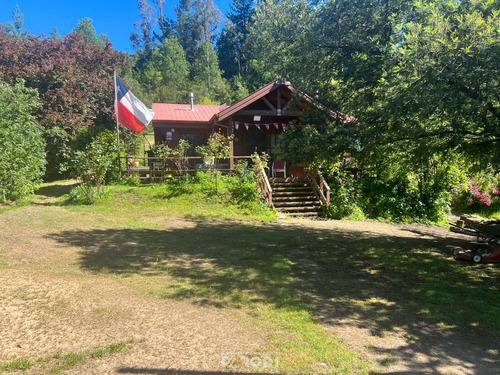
[(256, 121)]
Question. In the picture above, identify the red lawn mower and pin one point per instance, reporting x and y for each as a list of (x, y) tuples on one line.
[(487, 246)]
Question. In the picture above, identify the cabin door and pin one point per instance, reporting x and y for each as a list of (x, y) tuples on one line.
[(254, 142)]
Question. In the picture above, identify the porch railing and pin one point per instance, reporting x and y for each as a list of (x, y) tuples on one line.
[(264, 181), (155, 168), (322, 189)]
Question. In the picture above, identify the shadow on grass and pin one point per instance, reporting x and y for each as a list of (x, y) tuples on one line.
[(381, 282), (54, 190)]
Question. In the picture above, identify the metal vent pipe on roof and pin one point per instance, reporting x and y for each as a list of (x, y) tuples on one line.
[(191, 97)]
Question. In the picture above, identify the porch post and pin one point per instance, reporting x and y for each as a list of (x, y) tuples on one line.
[(231, 143)]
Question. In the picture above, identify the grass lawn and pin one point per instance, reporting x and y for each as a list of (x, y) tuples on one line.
[(289, 282)]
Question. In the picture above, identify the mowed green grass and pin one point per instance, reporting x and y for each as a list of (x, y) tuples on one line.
[(290, 279)]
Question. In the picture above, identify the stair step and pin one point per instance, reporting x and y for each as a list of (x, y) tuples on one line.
[(289, 184), (287, 179), (295, 197), (302, 214), (301, 208), (295, 203), (283, 193), (288, 198), (292, 188)]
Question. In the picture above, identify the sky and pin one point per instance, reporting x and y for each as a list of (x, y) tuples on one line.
[(116, 19)]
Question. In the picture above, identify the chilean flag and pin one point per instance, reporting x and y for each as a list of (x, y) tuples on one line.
[(129, 110)]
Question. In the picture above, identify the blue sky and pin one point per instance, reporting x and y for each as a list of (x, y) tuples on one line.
[(114, 18)]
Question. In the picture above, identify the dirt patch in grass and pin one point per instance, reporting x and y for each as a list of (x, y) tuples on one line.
[(44, 314), (188, 294)]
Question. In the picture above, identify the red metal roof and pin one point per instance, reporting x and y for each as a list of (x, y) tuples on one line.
[(182, 112)]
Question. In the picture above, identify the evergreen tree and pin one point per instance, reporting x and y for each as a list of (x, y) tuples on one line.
[(143, 41), (86, 31), (54, 35), (188, 28), (15, 29), (165, 24), (231, 44), (207, 75), (165, 76), (197, 20)]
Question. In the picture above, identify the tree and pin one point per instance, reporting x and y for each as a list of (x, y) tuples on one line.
[(15, 29), (217, 147), (165, 75), (143, 41), (54, 35), (277, 35), (165, 24), (87, 33), (75, 83), (231, 45), (206, 73), (22, 154), (441, 85), (197, 20)]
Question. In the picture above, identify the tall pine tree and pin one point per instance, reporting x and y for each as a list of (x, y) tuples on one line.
[(231, 44)]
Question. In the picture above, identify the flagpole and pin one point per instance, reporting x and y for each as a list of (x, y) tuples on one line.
[(117, 127)]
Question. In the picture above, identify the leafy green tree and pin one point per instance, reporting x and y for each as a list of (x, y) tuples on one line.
[(143, 41), (165, 24), (441, 85), (277, 35), (22, 153)]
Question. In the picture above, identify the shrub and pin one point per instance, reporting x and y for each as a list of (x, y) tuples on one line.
[(375, 198), (344, 196), (107, 145), (398, 200), (91, 168), (22, 154), (86, 193), (480, 191)]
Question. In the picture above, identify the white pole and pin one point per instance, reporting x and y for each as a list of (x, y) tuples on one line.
[(117, 126)]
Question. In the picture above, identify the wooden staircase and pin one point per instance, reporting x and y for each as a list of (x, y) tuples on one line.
[(295, 197)]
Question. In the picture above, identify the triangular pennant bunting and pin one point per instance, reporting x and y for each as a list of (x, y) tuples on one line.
[(267, 126), (276, 125), (236, 125), (246, 125), (257, 126)]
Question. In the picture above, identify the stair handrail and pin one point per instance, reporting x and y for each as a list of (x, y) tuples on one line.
[(323, 189), (266, 188)]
